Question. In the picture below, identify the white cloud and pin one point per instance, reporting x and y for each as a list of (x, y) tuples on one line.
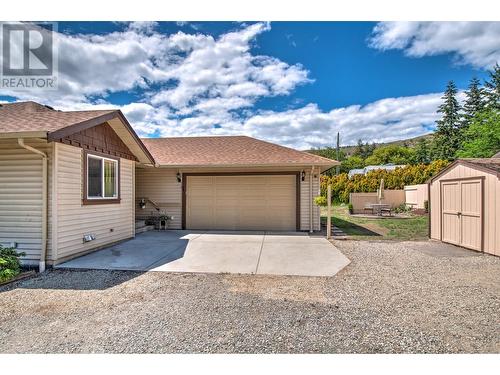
[(303, 128), (178, 70), (195, 84), (474, 43)]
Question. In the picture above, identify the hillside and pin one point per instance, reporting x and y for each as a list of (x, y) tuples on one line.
[(410, 142)]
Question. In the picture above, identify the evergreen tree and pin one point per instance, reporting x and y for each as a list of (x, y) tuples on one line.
[(369, 149), (447, 137), (482, 138), (360, 149), (474, 103), (422, 152), (492, 88)]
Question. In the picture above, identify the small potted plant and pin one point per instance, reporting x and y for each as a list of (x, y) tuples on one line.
[(163, 220)]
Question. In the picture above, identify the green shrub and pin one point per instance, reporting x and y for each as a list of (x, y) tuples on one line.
[(10, 265), (342, 185), (320, 201), (426, 206), (402, 208), (351, 208)]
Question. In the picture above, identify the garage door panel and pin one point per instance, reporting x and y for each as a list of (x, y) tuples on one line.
[(241, 202)]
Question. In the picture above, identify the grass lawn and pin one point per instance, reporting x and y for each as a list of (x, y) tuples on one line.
[(414, 228)]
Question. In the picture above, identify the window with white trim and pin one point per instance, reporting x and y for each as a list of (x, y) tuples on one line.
[(102, 177)]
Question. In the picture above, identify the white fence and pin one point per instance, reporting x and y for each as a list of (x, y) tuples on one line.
[(416, 195)]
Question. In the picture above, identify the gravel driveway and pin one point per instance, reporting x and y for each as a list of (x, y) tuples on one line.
[(394, 297)]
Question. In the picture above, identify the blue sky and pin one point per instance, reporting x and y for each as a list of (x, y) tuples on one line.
[(294, 83)]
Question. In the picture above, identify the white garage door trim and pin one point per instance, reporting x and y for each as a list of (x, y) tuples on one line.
[(296, 203)]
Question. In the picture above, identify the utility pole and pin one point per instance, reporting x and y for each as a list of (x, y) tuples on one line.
[(337, 169)]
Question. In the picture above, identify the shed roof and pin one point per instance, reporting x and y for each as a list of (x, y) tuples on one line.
[(489, 165)]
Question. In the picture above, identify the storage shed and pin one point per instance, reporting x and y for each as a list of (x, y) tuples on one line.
[(464, 203)]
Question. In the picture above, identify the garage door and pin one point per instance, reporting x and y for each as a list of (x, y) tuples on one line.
[(461, 213), (250, 202)]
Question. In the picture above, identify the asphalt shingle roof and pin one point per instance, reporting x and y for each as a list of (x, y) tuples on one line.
[(227, 150), (32, 117), (181, 151), (488, 163)]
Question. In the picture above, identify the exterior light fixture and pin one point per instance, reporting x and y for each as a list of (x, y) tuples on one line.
[(179, 177), (302, 175), (142, 203)]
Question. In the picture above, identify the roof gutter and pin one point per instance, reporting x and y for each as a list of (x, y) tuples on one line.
[(43, 253), (28, 134), (290, 166)]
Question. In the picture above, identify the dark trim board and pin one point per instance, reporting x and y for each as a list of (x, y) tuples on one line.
[(463, 178), (297, 189)]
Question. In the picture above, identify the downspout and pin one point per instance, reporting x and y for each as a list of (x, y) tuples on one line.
[(43, 254), (311, 200)]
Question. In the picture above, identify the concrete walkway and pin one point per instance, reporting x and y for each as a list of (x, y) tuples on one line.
[(263, 253)]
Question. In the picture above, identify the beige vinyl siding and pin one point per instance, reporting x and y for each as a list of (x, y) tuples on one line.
[(108, 222), (491, 213), (21, 197), (161, 186), (305, 194)]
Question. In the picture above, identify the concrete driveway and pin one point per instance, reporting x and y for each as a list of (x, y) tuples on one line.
[(219, 252)]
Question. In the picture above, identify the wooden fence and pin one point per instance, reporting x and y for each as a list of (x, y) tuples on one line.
[(392, 197)]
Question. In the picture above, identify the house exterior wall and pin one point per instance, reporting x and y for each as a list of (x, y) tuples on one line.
[(306, 191), (21, 197), (161, 186), (491, 205), (71, 219)]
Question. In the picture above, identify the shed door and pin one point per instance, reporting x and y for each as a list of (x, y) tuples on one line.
[(471, 214), (451, 208), (249, 202), (461, 213)]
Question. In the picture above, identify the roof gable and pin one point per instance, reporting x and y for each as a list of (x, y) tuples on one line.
[(488, 165), (30, 119)]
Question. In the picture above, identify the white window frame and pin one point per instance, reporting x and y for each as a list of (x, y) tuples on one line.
[(103, 158)]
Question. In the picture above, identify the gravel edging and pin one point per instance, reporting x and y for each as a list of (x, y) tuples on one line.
[(401, 297)]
